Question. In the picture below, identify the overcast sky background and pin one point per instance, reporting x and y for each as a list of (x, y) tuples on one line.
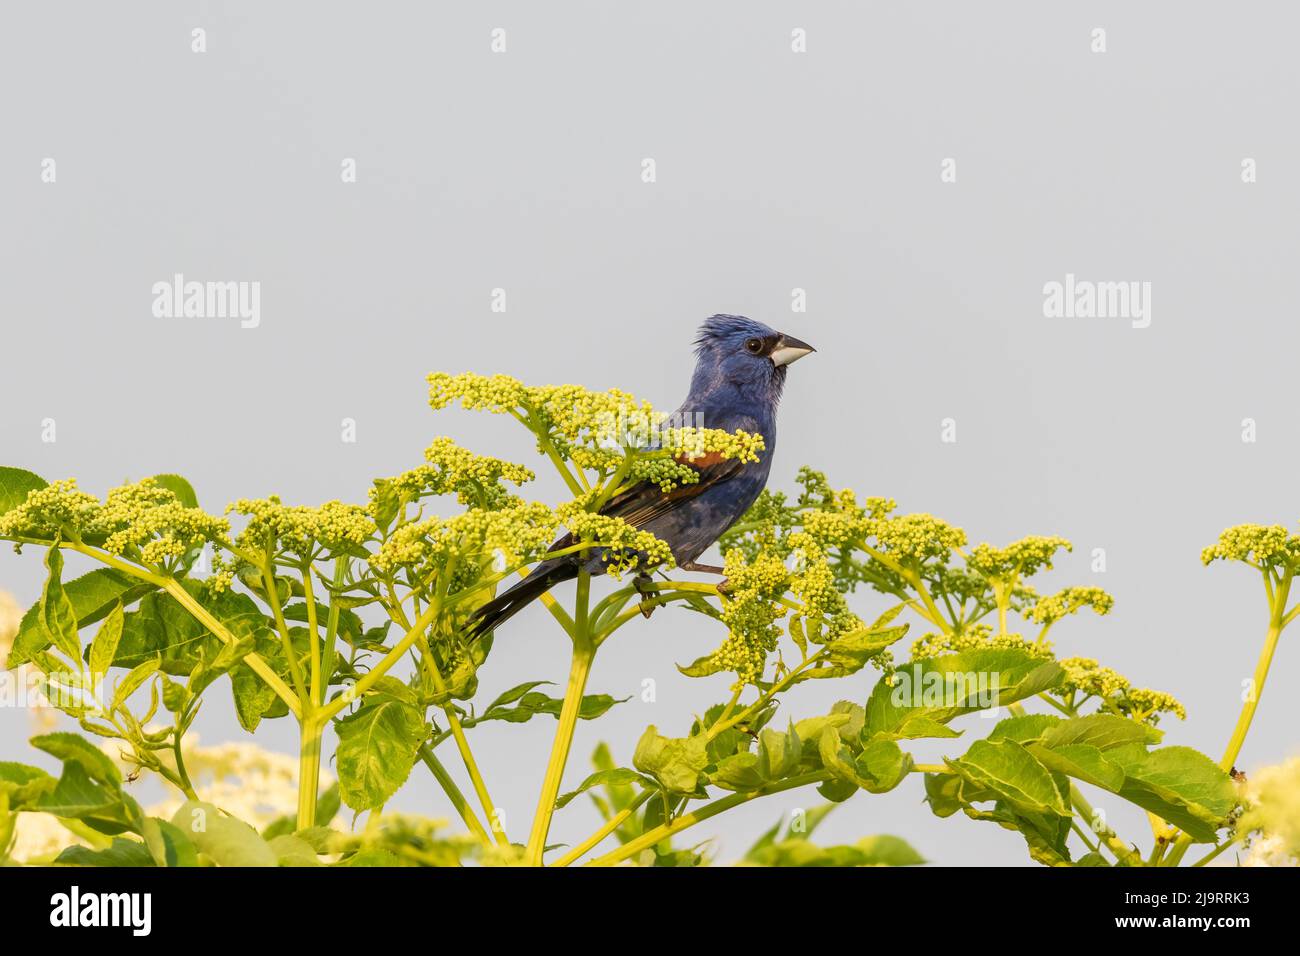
[(775, 170)]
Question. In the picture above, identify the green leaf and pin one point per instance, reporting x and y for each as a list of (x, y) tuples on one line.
[(1007, 769), (25, 785), (1178, 784), (224, 839), (531, 703), (134, 680), (122, 852), (1023, 729), (616, 776), (938, 689), (104, 647), (57, 614), (71, 748), (675, 762), (1081, 761), (15, 484), (779, 753), (93, 596), (851, 652), (1102, 731), (100, 807), (377, 745), (886, 850), (740, 772), (705, 666), (181, 488), (168, 845), (884, 764), (870, 851), (291, 850)]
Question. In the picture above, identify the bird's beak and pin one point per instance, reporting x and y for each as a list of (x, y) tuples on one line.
[(789, 349)]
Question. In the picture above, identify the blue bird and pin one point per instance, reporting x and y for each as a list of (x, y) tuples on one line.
[(740, 371)]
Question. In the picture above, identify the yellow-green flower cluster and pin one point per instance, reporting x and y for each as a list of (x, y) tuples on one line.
[(57, 509), (520, 532), (973, 637), (143, 520), (1259, 545), (299, 530), (1048, 610), (917, 537), (624, 547), (1273, 808), (696, 442), (451, 469), (148, 520), (1025, 557), (1084, 676), (567, 414), (751, 614)]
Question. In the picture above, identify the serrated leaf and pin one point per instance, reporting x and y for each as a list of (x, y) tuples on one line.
[(376, 749), (1023, 729), (104, 647), (941, 688), (57, 614), (853, 650), (178, 486), (92, 595), (1102, 731), (1178, 784), (1015, 775), (1081, 761), (15, 485)]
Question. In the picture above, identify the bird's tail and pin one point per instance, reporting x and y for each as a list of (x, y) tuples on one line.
[(513, 600)]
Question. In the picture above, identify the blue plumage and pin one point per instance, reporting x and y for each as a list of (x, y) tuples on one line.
[(739, 374)]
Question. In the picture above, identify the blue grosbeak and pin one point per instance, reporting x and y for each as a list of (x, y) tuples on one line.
[(739, 373)]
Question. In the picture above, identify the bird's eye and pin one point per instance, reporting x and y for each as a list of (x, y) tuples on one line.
[(754, 345)]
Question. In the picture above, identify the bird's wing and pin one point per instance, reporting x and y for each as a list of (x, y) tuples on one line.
[(645, 501)]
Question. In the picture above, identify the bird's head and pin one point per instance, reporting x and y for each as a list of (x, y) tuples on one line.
[(740, 352)]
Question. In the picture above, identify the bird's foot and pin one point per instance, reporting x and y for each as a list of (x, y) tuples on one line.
[(644, 586)]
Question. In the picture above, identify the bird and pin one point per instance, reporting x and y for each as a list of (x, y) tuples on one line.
[(740, 372)]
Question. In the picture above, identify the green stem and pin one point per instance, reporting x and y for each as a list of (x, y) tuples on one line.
[(686, 820), (584, 651), (1276, 623), (253, 660), (310, 732), (454, 794), (612, 824)]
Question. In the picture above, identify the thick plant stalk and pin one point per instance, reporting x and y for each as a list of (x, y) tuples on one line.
[(579, 670), (308, 772)]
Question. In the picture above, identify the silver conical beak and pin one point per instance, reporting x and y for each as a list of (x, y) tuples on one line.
[(789, 349)]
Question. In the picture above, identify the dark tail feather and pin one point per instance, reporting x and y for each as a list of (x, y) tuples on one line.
[(510, 602)]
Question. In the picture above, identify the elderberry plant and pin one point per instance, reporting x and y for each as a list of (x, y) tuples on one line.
[(306, 613)]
